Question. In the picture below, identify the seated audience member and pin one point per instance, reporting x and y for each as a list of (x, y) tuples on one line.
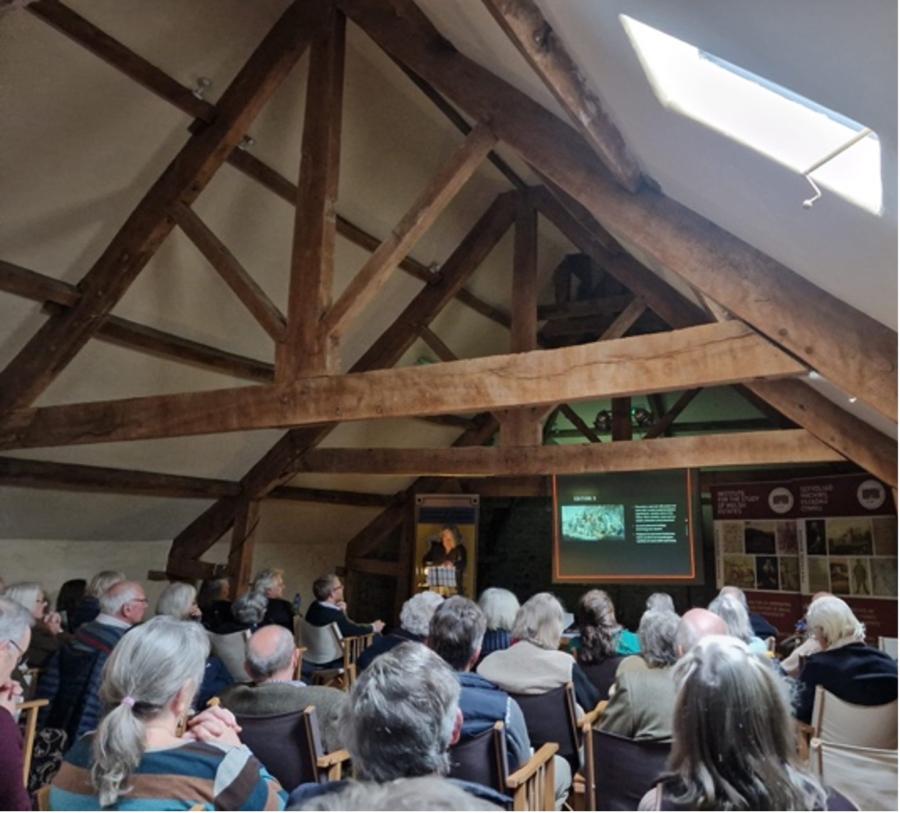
[(534, 664), (846, 667), (214, 601), (15, 636), (47, 635), (402, 717), (67, 600), (643, 700), (136, 760), (415, 616), (499, 607), (270, 583), (694, 626), (660, 601), (247, 613), (761, 628), (272, 662), (89, 606), (599, 636), (810, 646), (330, 608), (595, 611), (734, 614), (72, 678), (418, 793), (178, 600), (456, 632), (733, 743)]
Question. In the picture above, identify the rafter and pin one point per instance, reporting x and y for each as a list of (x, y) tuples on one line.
[(43, 474), (707, 355), (524, 24), (441, 189), (661, 427), (55, 294), (62, 336), (230, 270), (729, 449), (851, 349), (575, 419)]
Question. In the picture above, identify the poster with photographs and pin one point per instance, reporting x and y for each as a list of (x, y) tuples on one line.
[(836, 534)]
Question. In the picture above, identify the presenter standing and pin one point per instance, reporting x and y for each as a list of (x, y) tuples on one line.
[(449, 551)]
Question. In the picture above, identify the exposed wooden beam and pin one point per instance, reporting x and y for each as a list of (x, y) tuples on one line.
[(43, 474), (436, 344), (113, 52), (508, 486), (306, 350), (852, 437), (243, 546), (277, 465), (621, 428), (607, 306), (230, 270), (708, 355), (151, 77), (575, 419), (524, 24), (132, 335), (625, 320), (253, 168), (377, 567), (441, 189), (730, 449), (662, 426), (792, 398), (849, 348), (62, 336)]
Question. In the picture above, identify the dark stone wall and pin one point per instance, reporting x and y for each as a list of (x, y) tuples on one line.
[(515, 551)]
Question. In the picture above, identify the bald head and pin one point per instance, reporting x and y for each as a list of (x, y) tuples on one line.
[(271, 654), (694, 626), (125, 601)]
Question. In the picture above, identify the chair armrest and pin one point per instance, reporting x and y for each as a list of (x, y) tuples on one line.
[(33, 704), (543, 755), (802, 733), (586, 723), (333, 758)]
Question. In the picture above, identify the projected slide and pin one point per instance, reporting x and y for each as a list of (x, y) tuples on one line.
[(636, 527)]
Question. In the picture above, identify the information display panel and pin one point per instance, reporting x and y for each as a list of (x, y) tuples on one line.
[(635, 527)]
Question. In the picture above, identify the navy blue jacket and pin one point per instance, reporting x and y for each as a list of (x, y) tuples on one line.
[(855, 673), (321, 616)]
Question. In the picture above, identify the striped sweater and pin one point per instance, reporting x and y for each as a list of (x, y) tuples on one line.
[(196, 775)]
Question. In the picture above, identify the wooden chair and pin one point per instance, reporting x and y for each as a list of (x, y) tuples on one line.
[(352, 647), (301, 651), (483, 759), (290, 747), (888, 645), (29, 710), (866, 776), (551, 717), (42, 797), (579, 797), (619, 771), (603, 674), (231, 649)]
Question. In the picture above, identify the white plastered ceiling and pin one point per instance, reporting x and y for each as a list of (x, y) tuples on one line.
[(80, 144)]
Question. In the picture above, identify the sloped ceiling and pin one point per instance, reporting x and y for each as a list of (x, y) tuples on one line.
[(81, 144)]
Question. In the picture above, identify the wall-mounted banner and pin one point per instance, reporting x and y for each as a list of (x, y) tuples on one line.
[(446, 555), (833, 534)]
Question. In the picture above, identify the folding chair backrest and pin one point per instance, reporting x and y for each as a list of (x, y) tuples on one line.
[(323, 644), (836, 721), (603, 674), (482, 758), (352, 647), (866, 776), (623, 770), (231, 649), (29, 710), (888, 645), (551, 717), (288, 745)]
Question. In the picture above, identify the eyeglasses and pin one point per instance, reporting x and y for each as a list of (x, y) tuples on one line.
[(18, 649)]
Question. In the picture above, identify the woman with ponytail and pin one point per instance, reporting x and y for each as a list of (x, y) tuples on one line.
[(136, 758)]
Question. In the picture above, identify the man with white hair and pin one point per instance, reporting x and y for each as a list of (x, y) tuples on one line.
[(415, 616), (72, 679), (846, 667), (694, 626), (401, 720), (272, 662), (761, 627)]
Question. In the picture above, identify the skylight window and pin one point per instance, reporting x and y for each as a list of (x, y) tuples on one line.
[(771, 119)]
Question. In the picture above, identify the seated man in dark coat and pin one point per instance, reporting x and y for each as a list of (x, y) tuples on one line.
[(415, 616), (846, 667), (270, 583), (330, 608)]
